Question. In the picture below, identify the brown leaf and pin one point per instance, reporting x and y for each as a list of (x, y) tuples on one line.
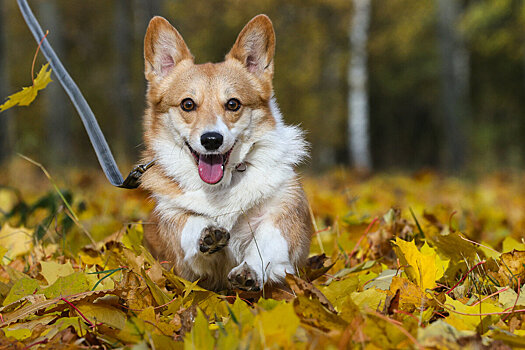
[(60, 305), (302, 287), (316, 266), (392, 225), (511, 267), (313, 313), (392, 303)]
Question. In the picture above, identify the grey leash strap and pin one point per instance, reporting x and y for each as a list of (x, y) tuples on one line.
[(104, 155)]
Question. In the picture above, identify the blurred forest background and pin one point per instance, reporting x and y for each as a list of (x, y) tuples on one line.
[(378, 84)]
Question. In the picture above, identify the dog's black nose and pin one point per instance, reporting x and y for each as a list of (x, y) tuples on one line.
[(211, 140)]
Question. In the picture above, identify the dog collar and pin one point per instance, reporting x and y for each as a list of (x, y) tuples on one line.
[(240, 167)]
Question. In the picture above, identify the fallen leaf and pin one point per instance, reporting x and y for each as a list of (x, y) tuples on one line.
[(21, 289), (509, 297), (28, 94), (72, 284), (382, 281), (420, 268), (17, 240), (24, 330), (52, 270), (370, 298), (301, 287), (200, 336), (338, 291), (313, 313), (511, 266), (278, 325), (509, 244), (101, 313)]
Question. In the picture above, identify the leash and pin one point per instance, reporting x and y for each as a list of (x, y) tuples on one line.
[(98, 141)]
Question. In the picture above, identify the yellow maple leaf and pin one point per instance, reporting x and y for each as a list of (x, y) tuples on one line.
[(421, 268), (28, 94)]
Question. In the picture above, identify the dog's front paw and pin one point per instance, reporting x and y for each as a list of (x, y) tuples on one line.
[(243, 277), (213, 239)]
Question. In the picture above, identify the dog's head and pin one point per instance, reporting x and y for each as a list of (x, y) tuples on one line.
[(202, 115)]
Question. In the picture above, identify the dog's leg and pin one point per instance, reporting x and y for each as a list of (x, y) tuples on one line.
[(205, 253), (266, 259), (194, 245), (201, 237), (278, 245)]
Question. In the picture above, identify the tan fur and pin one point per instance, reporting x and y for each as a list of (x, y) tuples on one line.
[(172, 77)]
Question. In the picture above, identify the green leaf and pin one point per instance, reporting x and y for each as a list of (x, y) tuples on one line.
[(68, 285), (21, 288)]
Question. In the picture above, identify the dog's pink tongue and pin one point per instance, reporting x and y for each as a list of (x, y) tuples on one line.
[(210, 168)]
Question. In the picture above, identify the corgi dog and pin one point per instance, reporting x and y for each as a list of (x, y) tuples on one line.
[(229, 211)]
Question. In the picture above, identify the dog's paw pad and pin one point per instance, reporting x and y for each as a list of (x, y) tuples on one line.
[(244, 278), (213, 239)]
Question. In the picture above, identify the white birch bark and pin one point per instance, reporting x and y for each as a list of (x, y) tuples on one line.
[(358, 110), (454, 82)]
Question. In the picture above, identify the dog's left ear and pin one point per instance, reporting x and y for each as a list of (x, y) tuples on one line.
[(255, 47), (164, 48)]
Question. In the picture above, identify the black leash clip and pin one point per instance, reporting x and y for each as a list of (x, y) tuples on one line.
[(133, 179)]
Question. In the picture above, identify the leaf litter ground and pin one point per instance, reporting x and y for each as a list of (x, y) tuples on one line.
[(419, 261)]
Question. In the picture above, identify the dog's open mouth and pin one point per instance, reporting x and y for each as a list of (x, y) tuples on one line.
[(211, 166)]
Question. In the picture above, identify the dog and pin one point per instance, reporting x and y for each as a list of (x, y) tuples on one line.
[(229, 211)]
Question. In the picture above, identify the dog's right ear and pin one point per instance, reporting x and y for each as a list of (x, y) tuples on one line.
[(164, 48)]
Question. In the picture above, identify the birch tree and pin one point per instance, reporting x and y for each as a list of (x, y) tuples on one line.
[(454, 82), (358, 110)]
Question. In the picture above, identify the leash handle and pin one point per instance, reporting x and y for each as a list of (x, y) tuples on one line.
[(133, 179), (104, 155)]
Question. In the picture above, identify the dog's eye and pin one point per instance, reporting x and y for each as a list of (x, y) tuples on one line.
[(233, 104), (187, 105)]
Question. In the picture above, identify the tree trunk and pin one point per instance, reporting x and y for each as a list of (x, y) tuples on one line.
[(358, 116), (127, 121), (454, 83), (58, 111), (6, 117)]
